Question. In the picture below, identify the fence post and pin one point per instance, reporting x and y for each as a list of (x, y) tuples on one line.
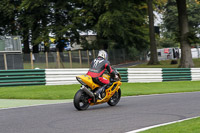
[(93, 54), (88, 58), (70, 58), (31, 56), (5, 61), (58, 59), (47, 62), (80, 60)]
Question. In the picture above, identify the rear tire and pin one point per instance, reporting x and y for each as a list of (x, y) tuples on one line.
[(115, 98), (81, 100)]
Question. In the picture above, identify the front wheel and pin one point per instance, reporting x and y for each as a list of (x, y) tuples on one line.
[(115, 98), (81, 100)]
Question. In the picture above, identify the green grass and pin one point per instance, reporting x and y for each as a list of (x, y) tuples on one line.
[(188, 126), (68, 91), (165, 64), (39, 92), (130, 89)]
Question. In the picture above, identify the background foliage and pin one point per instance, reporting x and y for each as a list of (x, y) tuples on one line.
[(116, 23), (170, 19)]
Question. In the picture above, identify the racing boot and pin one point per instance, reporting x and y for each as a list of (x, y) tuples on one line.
[(99, 91)]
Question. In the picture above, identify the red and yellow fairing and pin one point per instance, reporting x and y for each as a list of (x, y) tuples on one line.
[(109, 91), (88, 81)]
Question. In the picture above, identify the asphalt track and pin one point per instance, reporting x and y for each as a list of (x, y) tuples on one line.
[(131, 113)]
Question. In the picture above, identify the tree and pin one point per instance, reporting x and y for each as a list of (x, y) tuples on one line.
[(166, 40), (118, 24), (153, 47), (34, 20), (9, 14), (170, 19), (186, 56)]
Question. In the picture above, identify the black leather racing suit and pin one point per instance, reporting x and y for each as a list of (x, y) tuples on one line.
[(98, 66)]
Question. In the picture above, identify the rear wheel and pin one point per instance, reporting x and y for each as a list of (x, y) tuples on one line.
[(115, 98), (81, 100)]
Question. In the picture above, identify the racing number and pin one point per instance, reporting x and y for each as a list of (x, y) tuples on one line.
[(96, 62)]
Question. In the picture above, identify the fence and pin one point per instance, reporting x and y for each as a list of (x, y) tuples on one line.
[(67, 76), (66, 59), (11, 60)]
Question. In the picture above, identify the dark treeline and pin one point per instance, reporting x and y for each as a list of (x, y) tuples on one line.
[(116, 23)]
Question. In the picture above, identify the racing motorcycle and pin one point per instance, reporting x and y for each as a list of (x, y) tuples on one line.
[(85, 96)]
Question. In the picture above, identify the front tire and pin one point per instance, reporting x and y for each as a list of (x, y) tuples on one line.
[(115, 98), (81, 100)]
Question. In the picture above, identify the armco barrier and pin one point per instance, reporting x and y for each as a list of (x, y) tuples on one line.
[(68, 76), (144, 75), (22, 77), (163, 74), (176, 74), (63, 76), (124, 74), (195, 74)]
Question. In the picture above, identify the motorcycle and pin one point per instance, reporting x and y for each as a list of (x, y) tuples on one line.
[(85, 97)]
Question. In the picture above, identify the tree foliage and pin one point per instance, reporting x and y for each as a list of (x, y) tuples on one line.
[(117, 23), (170, 17), (124, 23), (8, 17)]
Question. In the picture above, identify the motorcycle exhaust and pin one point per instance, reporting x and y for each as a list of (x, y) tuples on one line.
[(87, 91)]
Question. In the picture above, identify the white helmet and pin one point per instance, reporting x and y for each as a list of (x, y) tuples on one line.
[(103, 54)]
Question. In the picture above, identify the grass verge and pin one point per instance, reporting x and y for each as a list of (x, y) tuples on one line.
[(165, 64), (68, 91), (188, 126)]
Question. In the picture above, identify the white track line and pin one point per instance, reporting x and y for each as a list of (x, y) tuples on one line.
[(147, 128), (33, 105)]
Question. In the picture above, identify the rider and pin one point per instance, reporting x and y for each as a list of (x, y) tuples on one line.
[(98, 66)]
